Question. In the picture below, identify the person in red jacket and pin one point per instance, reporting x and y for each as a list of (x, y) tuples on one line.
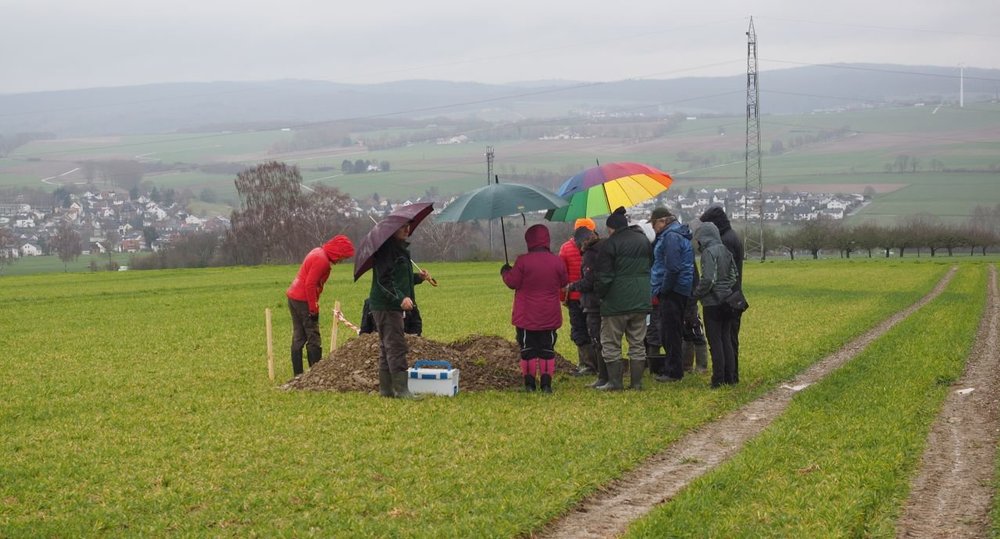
[(570, 254), (537, 279), (303, 298)]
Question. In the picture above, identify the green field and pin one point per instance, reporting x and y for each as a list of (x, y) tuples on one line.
[(138, 403), (699, 152)]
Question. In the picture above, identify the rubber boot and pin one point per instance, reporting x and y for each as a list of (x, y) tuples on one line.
[(385, 383), (529, 382), (614, 377), (701, 357), (296, 362), (315, 354), (548, 370), (636, 369), (401, 385), (529, 370), (602, 371), (687, 356), (586, 367)]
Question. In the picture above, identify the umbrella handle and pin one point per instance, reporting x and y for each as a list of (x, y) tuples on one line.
[(503, 234)]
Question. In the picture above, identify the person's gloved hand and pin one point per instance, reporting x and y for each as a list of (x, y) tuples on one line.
[(656, 300), (505, 268), (314, 317)]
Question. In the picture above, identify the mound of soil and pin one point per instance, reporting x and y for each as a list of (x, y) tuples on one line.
[(484, 361)]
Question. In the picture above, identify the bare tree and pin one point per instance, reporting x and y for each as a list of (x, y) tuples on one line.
[(67, 243), (277, 222), (868, 236), (447, 241), (815, 235)]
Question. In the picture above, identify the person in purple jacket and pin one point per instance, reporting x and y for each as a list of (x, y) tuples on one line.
[(536, 278)]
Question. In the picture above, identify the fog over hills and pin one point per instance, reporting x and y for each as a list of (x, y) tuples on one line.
[(162, 108)]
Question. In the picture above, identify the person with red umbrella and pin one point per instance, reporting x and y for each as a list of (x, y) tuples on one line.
[(303, 298), (392, 292)]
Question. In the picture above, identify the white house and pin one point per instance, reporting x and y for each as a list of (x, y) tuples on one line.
[(30, 250)]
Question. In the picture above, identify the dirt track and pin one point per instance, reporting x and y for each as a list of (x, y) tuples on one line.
[(953, 494), (609, 512)]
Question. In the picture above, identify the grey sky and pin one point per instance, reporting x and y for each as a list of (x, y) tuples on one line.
[(61, 44)]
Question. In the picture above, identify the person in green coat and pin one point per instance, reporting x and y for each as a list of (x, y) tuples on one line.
[(623, 286), (392, 299)]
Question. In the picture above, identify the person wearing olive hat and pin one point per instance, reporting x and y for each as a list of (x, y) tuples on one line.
[(670, 282)]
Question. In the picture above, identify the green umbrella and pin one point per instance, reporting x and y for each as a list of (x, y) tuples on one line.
[(497, 200)]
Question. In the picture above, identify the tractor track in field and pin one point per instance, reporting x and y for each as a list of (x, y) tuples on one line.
[(608, 512), (953, 493)]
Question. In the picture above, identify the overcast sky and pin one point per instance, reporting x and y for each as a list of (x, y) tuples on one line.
[(62, 44)]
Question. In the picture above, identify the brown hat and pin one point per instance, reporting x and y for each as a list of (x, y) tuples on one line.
[(659, 213)]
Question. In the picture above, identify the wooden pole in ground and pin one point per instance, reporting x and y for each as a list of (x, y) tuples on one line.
[(333, 330), (270, 344)]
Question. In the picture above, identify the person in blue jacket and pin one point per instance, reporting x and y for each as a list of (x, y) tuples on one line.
[(670, 281)]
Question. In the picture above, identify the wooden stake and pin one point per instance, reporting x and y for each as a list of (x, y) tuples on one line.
[(333, 330), (270, 344)]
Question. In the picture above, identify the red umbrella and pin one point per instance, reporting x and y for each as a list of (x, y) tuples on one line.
[(364, 255)]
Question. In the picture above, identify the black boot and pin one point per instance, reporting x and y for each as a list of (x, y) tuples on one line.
[(529, 382), (385, 383), (586, 367), (401, 385), (637, 368), (315, 354), (602, 371), (655, 359), (296, 362), (614, 377), (546, 383)]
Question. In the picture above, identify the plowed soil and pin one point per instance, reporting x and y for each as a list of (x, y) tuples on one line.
[(484, 361)]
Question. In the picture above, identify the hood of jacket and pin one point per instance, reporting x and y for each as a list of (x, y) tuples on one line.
[(681, 229), (537, 237), (338, 248), (708, 235), (717, 216)]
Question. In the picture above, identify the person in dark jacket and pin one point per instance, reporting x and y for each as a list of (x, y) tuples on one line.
[(569, 253), (391, 298), (303, 298), (623, 286), (718, 277), (537, 278), (670, 282), (590, 246), (717, 216)]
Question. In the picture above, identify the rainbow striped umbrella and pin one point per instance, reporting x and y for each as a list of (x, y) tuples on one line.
[(599, 190)]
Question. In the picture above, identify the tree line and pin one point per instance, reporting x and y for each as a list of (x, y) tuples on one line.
[(278, 223), (915, 234)]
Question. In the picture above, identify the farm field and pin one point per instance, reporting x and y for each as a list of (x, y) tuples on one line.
[(956, 150), (142, 406)]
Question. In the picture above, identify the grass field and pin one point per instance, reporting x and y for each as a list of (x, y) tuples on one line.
[(137, 403), (29, 265), (839, 461)]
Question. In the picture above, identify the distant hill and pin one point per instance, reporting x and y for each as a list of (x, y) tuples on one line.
[(162, 108)]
